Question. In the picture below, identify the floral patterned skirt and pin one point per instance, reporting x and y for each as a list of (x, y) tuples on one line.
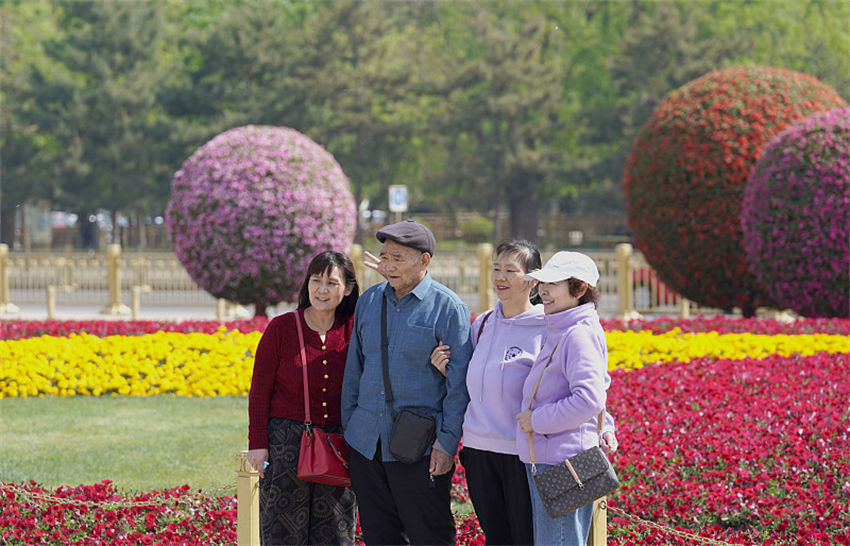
[(298, 512)]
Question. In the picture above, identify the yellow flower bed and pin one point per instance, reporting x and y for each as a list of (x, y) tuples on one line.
[(198, 364), (191, 364), (632, 350)]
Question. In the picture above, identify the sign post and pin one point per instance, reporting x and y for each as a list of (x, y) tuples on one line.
[(398, 200)]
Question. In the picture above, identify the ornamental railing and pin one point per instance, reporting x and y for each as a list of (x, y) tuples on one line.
[(123, 282)]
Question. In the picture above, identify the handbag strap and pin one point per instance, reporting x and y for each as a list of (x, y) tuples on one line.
[(298, 314), (533, 394), (385, 359), (599, 420), (483, 322)]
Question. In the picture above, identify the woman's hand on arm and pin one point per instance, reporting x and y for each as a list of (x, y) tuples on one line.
[(524, 420), (440, 357), (609, 442), (256, 458)]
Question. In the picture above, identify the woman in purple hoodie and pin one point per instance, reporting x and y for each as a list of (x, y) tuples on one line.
[(571, 370), (506, 342)]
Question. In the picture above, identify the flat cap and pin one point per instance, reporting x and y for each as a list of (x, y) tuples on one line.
[(409, 233)]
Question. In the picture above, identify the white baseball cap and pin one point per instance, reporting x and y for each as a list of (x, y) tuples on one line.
[(564, 265)]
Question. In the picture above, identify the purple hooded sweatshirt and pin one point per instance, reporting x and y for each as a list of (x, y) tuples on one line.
[(497, 370), (572, 390)]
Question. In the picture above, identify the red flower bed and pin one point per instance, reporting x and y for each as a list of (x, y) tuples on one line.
[(17, 329), (172, 516), (734, 325), (746, 451), (722, 324)]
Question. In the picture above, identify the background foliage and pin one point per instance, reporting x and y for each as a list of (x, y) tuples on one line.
[(500, 107)]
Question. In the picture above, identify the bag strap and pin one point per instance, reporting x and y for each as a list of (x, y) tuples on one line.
[(385, 359), (481, 327), (335, 451), (533, 394), (298, 314)]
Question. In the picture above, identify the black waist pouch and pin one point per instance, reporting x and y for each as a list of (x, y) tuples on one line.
[(412, 433)]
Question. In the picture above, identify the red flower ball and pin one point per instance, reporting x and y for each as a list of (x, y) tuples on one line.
[(685, 176)]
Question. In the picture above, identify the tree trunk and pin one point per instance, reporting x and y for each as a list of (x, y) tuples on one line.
[(26, 243), (748, 310), (260, 310), (7, 226), (525, 213), (88, 231), (497, 209), (116, 229), (143, 235)]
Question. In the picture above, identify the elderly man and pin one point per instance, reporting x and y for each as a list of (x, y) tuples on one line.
[(405, 503)]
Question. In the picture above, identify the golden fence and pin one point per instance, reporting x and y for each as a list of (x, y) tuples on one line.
[(628, 286)]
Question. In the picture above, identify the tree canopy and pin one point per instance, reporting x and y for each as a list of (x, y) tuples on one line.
[(499, 107)]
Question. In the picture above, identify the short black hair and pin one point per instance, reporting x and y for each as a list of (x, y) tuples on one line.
[(529, 258), (325, 263)]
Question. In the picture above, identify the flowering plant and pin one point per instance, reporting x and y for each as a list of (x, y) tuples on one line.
[(729, 447), (747, 451), (796, 216), (251, 207), (97, 514), (19, 329), (219, 363), (686, 172), (722, 324)]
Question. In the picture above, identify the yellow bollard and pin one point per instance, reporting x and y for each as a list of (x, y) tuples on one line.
[(51, 297), (625, 286), (248, 502), (114, 307), (5, 305), (599, 523), (137, 298), (51, 302), (485, 261)]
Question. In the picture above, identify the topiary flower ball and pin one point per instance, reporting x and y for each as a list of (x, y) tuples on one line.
[(252, 206), (685, 176), (796, 216)]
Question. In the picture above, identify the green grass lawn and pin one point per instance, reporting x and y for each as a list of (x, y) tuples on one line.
[(140, 443)]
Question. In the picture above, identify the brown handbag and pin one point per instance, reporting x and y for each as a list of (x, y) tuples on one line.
[(323, 456), (577, 481)]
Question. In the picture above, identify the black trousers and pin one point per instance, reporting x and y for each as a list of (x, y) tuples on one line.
[(399, 504), (498, 487)]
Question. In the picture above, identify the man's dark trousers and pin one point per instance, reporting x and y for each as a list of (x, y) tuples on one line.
[(398, 503)]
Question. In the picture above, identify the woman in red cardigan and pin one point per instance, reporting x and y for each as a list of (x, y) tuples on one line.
[(294, 511)]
